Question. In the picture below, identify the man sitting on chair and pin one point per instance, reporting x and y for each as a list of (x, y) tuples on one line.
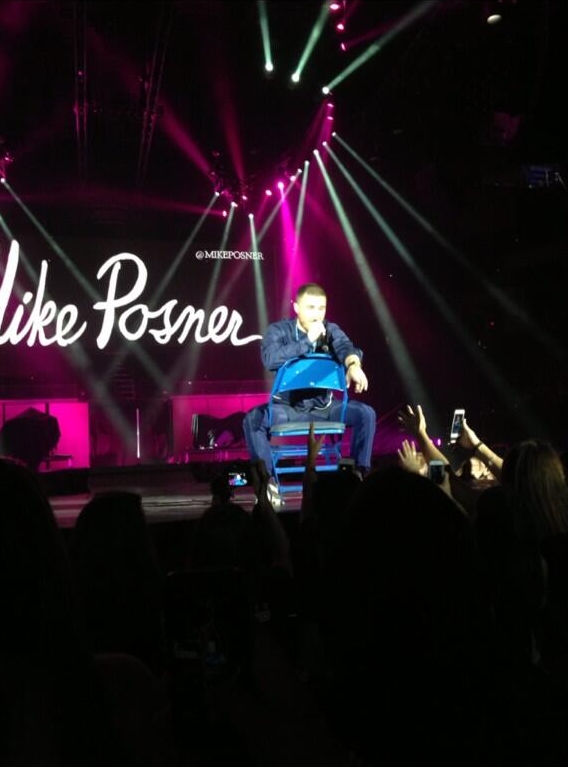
[(310, 332)]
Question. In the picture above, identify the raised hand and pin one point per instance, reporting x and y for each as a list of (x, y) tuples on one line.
[(413, 420), (314, 446), (409, 459), (468, 439)]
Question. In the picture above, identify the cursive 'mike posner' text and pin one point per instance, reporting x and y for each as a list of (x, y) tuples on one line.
[(37, 319)]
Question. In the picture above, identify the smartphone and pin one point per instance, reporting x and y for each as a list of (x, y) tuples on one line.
[(237, 478), (457, 424), (436, 471)]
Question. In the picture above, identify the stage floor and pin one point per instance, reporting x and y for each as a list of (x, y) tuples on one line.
[(169, 493)]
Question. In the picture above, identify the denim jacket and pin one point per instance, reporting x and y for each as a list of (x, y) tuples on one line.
[(284, 340)]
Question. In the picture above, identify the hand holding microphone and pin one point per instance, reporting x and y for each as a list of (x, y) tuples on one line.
[(317, 331)]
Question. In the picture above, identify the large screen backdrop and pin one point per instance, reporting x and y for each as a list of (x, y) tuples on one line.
[(165, 315), (157, 337)]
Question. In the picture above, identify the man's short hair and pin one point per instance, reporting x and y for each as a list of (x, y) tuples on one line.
[(312, 288)]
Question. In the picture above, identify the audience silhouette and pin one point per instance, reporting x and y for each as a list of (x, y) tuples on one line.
[(520, 523), (410, 625), (411, 620), (62, 704), (119, 578)]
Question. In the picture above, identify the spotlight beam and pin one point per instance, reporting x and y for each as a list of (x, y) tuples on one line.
[(193, 363), (297, 232), (419, 274), (265, 35), (75, 353), (260, 292), (169, 275), (413, 15), (258, 284), (500, 384), (401, 356), (154, 372), (77, 274), (270, 218), (164, 282), (514, 310), (315, 35)]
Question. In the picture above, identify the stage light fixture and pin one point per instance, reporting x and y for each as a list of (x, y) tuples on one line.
[(493, 10), (225, 182)]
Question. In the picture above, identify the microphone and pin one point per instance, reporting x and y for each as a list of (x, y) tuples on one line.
[(323, 342)]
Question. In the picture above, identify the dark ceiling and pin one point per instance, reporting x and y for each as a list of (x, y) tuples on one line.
[(171, 91)]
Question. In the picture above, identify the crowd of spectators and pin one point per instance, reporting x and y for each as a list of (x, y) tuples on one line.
[(407, 617)]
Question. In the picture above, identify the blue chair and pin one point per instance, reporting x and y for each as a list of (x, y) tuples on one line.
[(288, 441)]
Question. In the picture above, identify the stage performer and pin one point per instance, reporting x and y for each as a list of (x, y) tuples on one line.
[(309, 332)]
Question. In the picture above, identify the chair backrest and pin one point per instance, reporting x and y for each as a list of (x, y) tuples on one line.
[(315, 372)]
